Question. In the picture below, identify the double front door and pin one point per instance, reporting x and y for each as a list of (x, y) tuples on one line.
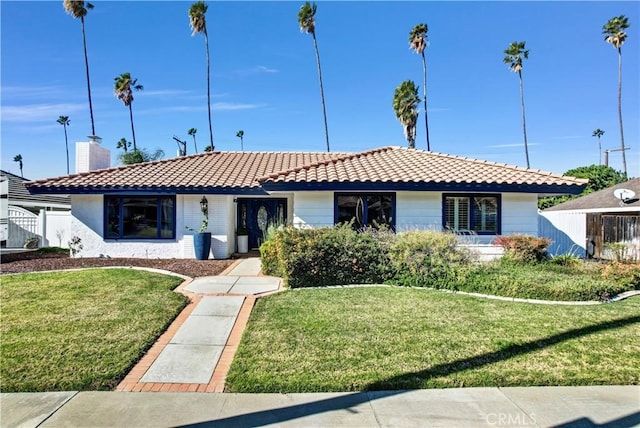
[(256, 214)]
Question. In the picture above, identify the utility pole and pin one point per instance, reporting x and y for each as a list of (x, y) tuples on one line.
[(606, 154), (182, 146)]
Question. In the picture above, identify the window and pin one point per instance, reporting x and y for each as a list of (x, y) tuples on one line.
[(365, 209), (140, 217), (472, 214)]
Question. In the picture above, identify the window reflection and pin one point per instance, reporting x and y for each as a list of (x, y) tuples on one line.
[(373, 210), (140, 217)]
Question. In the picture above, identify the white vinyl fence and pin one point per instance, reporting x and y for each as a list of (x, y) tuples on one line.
[(567, 231), (52, 228)]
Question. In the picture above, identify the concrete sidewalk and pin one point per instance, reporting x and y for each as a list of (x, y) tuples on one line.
[(598, 406)]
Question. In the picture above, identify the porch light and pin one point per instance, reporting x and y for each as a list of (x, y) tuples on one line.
[(204, 206)]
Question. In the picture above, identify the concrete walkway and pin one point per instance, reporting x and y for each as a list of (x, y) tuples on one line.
[(195, 353), (600, 406)]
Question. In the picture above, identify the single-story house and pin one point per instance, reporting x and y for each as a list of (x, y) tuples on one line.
[(21, 213), (144, 210), (583, 226)]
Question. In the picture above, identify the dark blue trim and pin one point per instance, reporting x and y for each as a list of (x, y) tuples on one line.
[(105, 218), (427, 186), (365, 219), (573, 189), (471, 210), (148, 190)]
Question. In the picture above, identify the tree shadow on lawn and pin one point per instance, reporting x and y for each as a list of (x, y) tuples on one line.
[(401, 383)]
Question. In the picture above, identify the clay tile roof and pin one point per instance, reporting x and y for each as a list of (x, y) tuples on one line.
[(216, 171), (402, 165), (257, 172)]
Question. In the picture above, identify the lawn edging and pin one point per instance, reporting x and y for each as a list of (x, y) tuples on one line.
[(616, 298)]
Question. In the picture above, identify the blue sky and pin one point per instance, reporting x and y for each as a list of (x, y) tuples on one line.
[(264, 79)]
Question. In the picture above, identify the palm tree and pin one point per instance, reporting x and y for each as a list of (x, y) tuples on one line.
[(418, 42), (64, 121), (18, 158), (614, 31), (307, 22), (123, 144), (599, 133), (192, 132), (240, 135), (198, 23), (515, 53), (208, 149), (139, 156), (78, 9), (405, 105), (124, 86)]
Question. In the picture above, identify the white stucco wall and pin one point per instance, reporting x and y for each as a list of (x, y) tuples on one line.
[(520, 214), (414, 210), (312, 209), (418, 211), (422, 211), (87, 222)]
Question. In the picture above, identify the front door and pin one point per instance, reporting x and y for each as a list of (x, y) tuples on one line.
[(256, 214)]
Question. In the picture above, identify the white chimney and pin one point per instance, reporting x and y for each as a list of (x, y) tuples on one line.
[(91, 155)]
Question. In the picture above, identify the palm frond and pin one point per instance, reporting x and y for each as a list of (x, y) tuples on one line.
[(197, 19), (306, 17)]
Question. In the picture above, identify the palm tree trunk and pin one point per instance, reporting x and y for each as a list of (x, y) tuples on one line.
[(194, 144), (66, 143), (424, 92), (133, 131), (622, 147), (241, 144), (86, 64), (324, 109), (524, 123), (206, 41), (599, 151)]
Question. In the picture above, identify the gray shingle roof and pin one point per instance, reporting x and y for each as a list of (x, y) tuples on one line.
[(603, 199), (19, 195)]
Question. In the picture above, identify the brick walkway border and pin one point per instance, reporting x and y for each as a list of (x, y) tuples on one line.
[(132, 382)]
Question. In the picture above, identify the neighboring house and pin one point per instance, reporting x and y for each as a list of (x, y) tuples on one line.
[(143, 210), (584, 226), (21, 213)]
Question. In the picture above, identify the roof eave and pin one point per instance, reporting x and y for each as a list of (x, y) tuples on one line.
[(145, 190), (573, 189)]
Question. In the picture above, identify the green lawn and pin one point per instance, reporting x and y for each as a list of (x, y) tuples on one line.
[(378, 338), (80, 330)]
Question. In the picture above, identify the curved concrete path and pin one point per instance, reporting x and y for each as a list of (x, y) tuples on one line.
[(195, 353)]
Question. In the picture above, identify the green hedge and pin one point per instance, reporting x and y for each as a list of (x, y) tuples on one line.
[(326, 256), (342, 256), (428, 259)]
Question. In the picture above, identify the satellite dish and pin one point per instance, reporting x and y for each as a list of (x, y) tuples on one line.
[(624, 194)]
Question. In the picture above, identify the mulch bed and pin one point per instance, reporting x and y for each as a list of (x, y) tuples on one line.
[(35, 262)]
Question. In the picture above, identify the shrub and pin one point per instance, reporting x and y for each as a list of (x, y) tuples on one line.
[(626, 274), (326, 256), (523, 248), (428, 259), (565, 260), (546, 281)]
